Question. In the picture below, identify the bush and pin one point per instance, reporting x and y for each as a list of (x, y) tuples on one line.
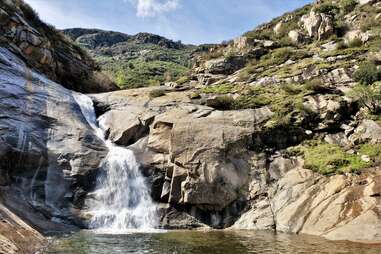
[(219, 89), (120, 78), (348, 5), (355, 43), (341, 45), (327, 8), (315, 85), (369, 23), (341, 28), (368, 96), (251, 101), (222, 103), (156, 93), (292, 89), (194, 96), (367, 74), (182, 80)]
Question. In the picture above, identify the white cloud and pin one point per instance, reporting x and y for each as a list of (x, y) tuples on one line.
[(152, 8)]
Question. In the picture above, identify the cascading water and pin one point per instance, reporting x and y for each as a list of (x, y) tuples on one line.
[(122, 199)]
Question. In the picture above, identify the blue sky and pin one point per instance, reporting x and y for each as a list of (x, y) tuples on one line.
[(191, 21)]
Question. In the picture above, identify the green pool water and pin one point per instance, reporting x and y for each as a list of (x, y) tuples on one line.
[(210, 242)]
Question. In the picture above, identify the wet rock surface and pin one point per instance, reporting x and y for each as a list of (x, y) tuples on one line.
[(48, 151)]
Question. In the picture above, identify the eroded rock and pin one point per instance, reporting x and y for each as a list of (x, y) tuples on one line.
[(318, 25)]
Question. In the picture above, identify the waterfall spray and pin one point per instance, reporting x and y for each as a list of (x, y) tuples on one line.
[(122, 198)]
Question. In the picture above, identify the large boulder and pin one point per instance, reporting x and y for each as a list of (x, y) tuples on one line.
[(49, 152), (367, 131), (357, 35), (212, 161), (318, 25), (224, 65), (125, 127), (295, 36)]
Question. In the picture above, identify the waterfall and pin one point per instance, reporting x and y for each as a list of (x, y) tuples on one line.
[(122, 198)]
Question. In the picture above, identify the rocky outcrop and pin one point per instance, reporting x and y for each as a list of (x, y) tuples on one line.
[(357, 35), (49, 154), (295, 36), (336, 207), (212, 160), (318, 25), (368, 131), (16, 236), (48, 51), (223, 65)]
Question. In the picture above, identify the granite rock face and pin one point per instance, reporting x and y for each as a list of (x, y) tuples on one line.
[(336, 207), (16, 236), (49, 153)]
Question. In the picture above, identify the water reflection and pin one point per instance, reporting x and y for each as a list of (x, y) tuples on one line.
[(215, 242)]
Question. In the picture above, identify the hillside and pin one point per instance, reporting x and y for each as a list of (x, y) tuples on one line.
[(48, 50), (317, 68), (278, 129), (136, 60)]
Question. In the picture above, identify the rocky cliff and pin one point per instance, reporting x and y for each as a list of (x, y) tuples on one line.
[(278, 129), (48, 50), (49, 155)]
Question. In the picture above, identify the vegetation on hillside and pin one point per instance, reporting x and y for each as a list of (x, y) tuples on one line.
[(139, 60), (296, 79)]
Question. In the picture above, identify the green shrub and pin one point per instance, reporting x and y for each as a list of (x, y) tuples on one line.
[(355, 43), (348, 5), (194, 95), (219, 89), (315, 85), (120, 78), (341, 45), (182, 80), (292, 89), (222, 103), (251, 101), (368, 97), (156, 93), (328, 159), (341, 28), (328, 8), (367, 74)]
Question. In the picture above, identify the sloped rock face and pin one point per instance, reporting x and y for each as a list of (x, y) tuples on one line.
[(16, 236), (336, 207), (48, 153), (48, 51)]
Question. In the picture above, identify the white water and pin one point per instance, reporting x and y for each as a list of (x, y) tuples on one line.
[(122, 200)]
